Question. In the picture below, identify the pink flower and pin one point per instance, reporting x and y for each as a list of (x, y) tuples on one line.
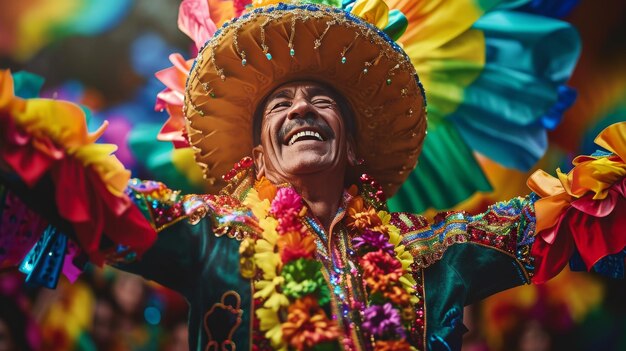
[(286, 203), (290, 223)]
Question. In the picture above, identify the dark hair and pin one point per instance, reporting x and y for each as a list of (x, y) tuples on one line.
[(342, 103)]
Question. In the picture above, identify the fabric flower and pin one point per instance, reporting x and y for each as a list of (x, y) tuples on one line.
[(268, 290), (373, 241), (392, 345), (383, 322), (286, 202), (380, 270), (266, 254), (304, 277), (259, 207), (360, 217), (397, 295), (294, 245), (265, 189), (307, 325), (290, 223), (270, 324)]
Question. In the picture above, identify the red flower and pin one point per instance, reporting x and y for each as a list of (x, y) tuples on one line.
[(380, 269), (308, 325)]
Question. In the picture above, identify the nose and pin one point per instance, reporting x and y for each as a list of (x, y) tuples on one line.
[(300, 108)]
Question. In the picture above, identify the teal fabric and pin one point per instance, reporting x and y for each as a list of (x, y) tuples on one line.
[(156, 157), (446, 174), (27, 85), (467, 273), (528, 58), (397, 24), (190, 259)]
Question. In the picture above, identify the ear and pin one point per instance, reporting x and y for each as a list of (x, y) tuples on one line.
[(259, 161), (351, 147)]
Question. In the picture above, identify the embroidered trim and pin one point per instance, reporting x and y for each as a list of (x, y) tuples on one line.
[(234, 309), (165, 207), (507, 226)]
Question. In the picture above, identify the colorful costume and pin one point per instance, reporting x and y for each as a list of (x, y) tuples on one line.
[(258, 269)]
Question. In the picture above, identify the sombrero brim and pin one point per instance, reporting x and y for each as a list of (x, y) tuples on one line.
[(252, 55)]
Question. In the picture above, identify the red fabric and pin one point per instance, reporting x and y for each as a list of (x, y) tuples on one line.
[(17, 150), (596, 228), (84, 200), (81, 197)]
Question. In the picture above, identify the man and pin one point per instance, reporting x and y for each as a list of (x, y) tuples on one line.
[(305, 141), (291, 255)]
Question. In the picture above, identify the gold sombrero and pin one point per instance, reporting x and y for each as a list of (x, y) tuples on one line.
[(251, 55)]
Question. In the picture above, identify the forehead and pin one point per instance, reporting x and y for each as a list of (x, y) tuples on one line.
[(307, 88)]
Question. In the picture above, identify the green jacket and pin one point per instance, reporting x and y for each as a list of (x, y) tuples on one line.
[(459, 260)]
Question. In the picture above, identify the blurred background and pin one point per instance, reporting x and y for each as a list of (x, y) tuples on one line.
[(103, 55)]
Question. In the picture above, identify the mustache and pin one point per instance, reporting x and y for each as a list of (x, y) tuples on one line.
[(308, 121)]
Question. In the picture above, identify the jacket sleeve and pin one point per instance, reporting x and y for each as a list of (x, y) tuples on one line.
[(485, 254), (184, 233), (577, 218)]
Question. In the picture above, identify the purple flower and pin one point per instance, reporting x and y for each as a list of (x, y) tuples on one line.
[(383, 321), (373, 241)]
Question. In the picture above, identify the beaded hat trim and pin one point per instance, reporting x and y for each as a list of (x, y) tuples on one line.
[(252, 55)]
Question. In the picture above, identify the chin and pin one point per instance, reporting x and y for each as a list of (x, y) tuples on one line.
[(309, 165)]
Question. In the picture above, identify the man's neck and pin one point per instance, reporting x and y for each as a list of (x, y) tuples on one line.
[(322, 195)]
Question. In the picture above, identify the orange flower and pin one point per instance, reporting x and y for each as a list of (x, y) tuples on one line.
[(266, 189), (392, 345), (360, 217), (307, 325), (294, 245), (397, 295)]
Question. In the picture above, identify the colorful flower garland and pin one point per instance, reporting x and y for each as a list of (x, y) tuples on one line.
[(292, 295)]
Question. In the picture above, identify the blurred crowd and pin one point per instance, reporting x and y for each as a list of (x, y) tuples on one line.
[(104, 310)]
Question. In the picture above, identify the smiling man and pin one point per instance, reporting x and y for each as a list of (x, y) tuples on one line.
[(323, 117), (305, 141)]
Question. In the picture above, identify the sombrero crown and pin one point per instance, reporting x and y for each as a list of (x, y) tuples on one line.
[(251, 55)]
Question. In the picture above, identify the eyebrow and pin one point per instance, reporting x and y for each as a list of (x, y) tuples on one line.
[(284, 93), (317, 90)]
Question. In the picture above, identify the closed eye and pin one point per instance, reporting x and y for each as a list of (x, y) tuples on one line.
[(280, 105), (322, 102)]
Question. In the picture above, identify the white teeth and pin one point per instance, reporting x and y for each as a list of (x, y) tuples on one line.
[(303, 134)]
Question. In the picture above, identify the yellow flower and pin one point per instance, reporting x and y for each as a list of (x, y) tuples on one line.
[(405, 257), (259, 207), (270, 324), (266, 289), (385, 217)]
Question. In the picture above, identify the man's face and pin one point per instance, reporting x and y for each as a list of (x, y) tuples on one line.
[(302, 132)]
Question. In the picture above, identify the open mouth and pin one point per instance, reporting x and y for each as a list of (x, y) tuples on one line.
[(304, 135)]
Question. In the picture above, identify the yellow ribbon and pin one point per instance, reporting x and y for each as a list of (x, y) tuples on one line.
[(375, 12), (64, 123)]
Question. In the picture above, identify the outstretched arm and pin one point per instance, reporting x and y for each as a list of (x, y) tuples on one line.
[(54, 175), (531, 239)]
